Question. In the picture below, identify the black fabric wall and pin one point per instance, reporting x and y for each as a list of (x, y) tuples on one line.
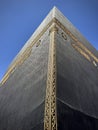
[(71, 119), (77, 87), (22, 96)]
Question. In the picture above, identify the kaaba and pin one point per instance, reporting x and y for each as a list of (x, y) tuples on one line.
[(52, 83)]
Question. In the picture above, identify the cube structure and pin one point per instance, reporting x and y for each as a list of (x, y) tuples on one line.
[(52, 84)]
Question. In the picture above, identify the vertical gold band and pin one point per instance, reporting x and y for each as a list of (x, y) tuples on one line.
[(50, 119)]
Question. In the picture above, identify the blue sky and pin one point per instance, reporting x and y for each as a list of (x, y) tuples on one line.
[(20, 18)]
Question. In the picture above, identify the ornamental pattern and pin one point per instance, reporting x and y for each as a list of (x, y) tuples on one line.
[(50, 118), (79, 46)]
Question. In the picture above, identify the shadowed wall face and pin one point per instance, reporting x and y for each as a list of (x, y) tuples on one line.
[(77, 87), (71, 119), (22, 95)]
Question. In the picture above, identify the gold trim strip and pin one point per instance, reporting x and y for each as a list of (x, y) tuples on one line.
[(81, 51), (22, 57), (76, 40), (50, 118)]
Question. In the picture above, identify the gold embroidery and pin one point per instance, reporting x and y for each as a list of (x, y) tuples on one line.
[(22, 57), (80, 47), (81, 51), (38, 43), (64, 36), (95, 64), (84, 53), (18, 62), (50, 118)]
